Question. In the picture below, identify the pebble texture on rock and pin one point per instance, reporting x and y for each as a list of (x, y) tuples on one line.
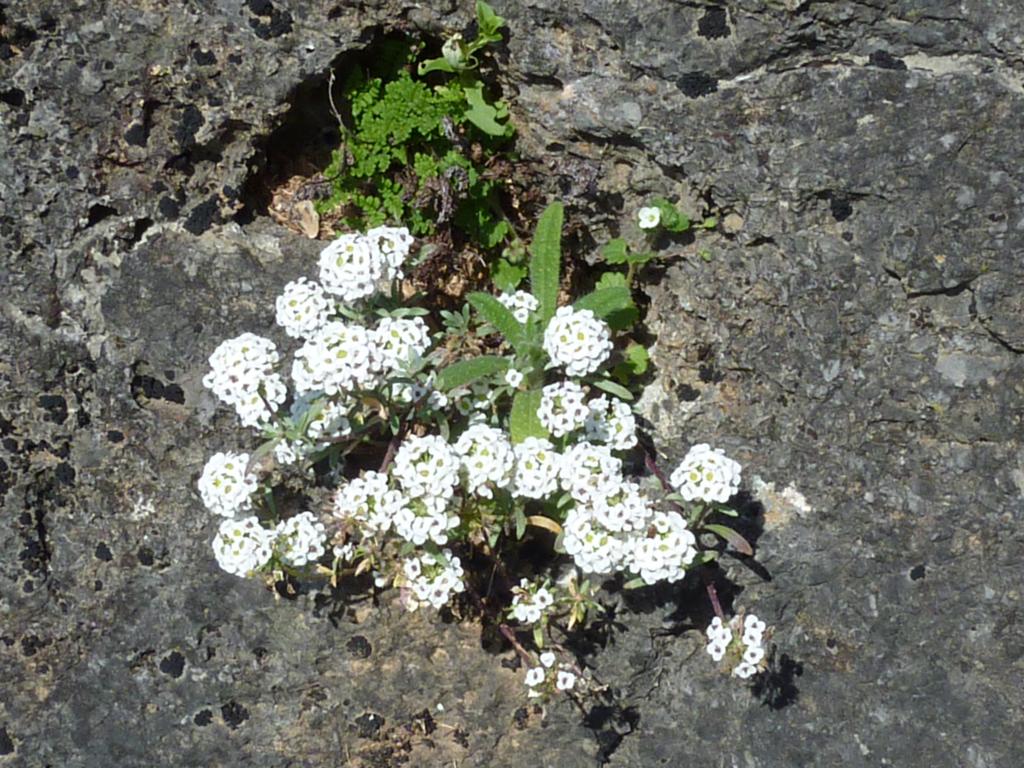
[(855, 340)]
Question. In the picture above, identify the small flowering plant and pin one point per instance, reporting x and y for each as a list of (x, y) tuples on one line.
[(445, 439)]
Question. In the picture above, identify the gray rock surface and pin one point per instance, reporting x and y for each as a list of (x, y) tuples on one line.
[(855, 340)]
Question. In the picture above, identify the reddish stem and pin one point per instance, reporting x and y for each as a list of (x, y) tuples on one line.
[(713, 596), (509, 635)]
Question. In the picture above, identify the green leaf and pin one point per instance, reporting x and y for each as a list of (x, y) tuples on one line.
[(635, 583), (672, 220), (616, 251), (612, 388), (605, 302), (538, 636), (640, 258), (467, 371), (498, 315), (520, 519), (635, 361), (637, 357), (487, 20), (545, 262), (611, 280), (708, 556), (624, 317), (434, 65), (523, 421), (485, 116), (709, 223), (505, 276), (738, 543)]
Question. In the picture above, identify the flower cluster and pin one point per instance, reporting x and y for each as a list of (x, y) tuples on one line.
[(612, 422), (226, 485), (742, 638), (529, 602), (460, 462), (706, 474), (577, 341), (353, 265), (562, 409), (547, 677), (242, 376), (300, 540), (521, 303), (242, 546), (431, 580), (302, 308), (614, 527), (487, 459)]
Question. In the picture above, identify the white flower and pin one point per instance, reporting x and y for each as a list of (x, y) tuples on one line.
[(426, 466), (565, 681), (625, 510), (431, 580), (716, 648), (547, 658), (225, 486), (662, 552), (288, 452), (302, 308), (400, 340), (330, 423), (577, 340), (706, 474), (242, 375), (487, 459), (535, 676), (611, 422), (369, 502), (424, 518), (300, 539), (350, 267), (521, 303), (513, 378), (528, 604), (345, 552), (719, 631), (753, 654), (589, 472), (242, 546), (337, 358), (561, 408), (537, 467), (744, 670), (393, 245), (753, 630), (593, 548), (649, 217)]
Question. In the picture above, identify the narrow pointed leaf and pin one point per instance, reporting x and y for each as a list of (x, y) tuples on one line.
[(498, 315), (523, 421), (545, 262), (738, 543), (539, 521), (467, 371)]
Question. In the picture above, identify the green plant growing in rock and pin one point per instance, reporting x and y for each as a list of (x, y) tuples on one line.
[(419, 153), (449, 439)]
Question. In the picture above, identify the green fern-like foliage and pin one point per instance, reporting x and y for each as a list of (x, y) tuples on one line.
[(396, 155)]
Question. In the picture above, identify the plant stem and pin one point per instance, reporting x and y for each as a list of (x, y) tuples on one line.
[(713, 596)]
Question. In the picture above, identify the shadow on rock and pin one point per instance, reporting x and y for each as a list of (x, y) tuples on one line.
[(776, 686)]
